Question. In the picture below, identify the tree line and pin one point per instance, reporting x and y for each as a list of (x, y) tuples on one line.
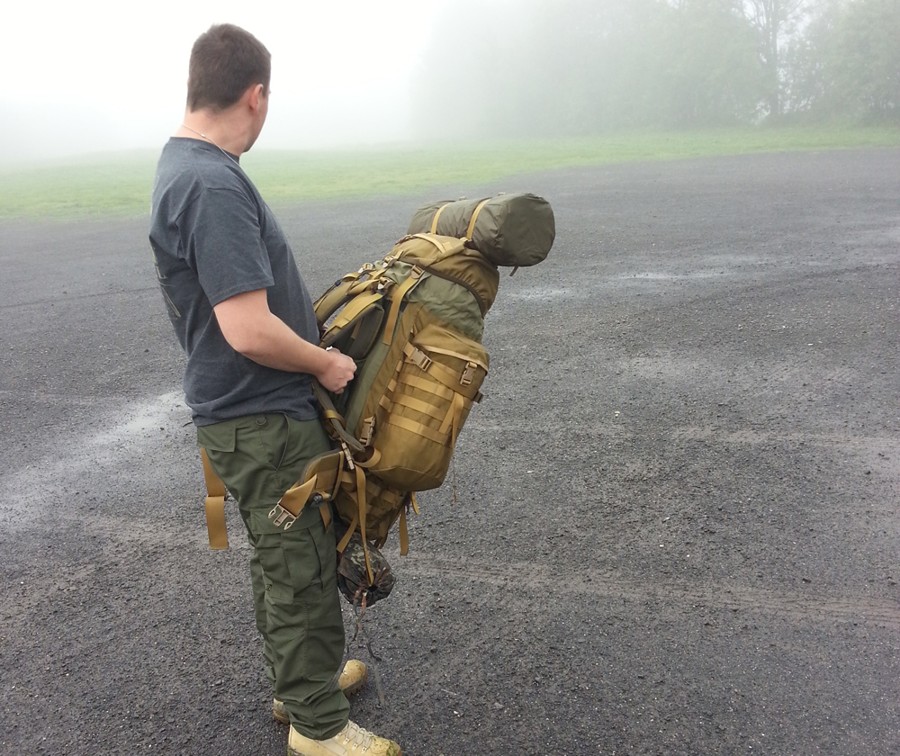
[(578, 67)]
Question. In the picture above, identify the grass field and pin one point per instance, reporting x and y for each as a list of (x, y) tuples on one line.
[(119, 184)]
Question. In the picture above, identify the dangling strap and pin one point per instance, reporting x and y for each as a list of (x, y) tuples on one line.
[(361, 497), (214, 505), (404, 529), (359, 519)]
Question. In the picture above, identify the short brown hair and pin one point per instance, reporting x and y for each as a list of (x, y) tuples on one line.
[(225, 60)]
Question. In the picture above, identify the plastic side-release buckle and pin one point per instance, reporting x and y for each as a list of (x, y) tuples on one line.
[(281, 518), (468, 374), (418, 358), (368, 430)]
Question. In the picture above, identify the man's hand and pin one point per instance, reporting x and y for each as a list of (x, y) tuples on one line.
[(337, 372)]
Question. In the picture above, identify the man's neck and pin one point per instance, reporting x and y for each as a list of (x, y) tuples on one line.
[(220, 129)]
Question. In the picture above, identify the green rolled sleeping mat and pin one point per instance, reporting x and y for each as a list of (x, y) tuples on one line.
[(508, 229)]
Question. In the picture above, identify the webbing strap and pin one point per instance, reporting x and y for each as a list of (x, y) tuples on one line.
[(374, 459), (447, 376), (422, 407), (354, 307), (214, 505), (397, 296), (357, 478), (342, 544), (451, 420), (432, 387), (418, 428), (446, 245), (437, 215), (404, 533), (471, 229), (332, 414), (458, 355), (416, 356), (363, 506)]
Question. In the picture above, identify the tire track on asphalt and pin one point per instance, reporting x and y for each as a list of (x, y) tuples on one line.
[(84, 455), (755, 437), (739, 437), (801, 607)]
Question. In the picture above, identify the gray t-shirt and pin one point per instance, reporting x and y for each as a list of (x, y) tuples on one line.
[(213, 237)]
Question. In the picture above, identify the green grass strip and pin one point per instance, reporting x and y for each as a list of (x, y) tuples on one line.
[(119, 184)]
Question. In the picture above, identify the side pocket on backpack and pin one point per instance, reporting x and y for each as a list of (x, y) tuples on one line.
[(425, 406)]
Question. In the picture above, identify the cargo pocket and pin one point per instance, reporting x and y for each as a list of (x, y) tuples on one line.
[(219, 440), (219, 437), (294, 561)]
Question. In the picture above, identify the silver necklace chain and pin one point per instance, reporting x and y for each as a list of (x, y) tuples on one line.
[(203, 136)]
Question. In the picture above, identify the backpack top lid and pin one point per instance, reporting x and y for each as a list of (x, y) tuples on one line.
[(508, 229)]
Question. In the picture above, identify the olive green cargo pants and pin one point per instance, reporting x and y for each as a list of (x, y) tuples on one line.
[(293, 572)]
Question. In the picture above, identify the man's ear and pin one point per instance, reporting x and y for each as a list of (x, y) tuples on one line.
[(255, 93)]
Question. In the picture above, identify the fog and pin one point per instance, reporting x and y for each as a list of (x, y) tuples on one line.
[(94, 77), (100, 75)]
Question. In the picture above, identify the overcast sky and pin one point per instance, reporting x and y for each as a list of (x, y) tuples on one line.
[(99, 75)]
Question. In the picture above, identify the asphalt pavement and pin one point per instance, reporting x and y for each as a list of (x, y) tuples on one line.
[(671, 526)]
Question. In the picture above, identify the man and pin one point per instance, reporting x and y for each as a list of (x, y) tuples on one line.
[(245, 320)]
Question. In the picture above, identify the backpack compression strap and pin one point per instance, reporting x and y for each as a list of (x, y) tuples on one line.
[(471, 229)]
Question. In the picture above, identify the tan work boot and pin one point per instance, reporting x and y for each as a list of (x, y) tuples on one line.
[(352, 740), (354, 676)]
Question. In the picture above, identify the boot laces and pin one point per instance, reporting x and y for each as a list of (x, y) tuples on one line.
[(356, 736)]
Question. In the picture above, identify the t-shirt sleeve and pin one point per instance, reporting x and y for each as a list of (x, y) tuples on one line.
[(224, 245)]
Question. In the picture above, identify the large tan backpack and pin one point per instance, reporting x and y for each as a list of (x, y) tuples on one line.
[(413, 321)]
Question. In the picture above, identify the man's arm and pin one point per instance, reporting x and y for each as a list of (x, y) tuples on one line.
[(251, 329)]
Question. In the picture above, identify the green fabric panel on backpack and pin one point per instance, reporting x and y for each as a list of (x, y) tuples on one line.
[(451, 303)]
